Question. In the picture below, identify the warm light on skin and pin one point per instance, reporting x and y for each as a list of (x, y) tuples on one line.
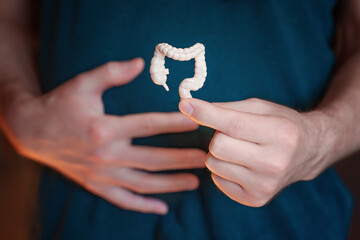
[(95, 150), (249, 131), (244, 129)]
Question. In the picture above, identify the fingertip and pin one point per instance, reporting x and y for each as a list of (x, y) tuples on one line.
[(192, 183), (138, 63), (161, 208), (195, 184), (202, 155), (185, 107), (189, 105), (185, 101)]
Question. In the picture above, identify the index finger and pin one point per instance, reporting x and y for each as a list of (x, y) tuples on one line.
[(240, 125)]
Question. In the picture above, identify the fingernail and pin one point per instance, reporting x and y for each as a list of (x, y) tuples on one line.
[(186, 108)]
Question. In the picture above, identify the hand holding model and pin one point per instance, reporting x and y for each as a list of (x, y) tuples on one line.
[(261, 147), (95, 149)]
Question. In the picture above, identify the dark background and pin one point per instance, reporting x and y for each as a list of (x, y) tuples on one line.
[(19, 180)]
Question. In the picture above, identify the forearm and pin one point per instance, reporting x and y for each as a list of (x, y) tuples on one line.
[(340, 107), (340, 111), (19, 79)]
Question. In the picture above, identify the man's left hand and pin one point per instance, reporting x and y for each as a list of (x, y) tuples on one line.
[(260, 147)]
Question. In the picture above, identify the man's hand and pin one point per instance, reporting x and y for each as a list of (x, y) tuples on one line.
[(67, 130), (260, 147)]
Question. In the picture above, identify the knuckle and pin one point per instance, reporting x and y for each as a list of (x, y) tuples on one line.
[(289, 134), (255, 100), (217, 145), (280, 166), (236, 125), (97, 132), (263, 106)]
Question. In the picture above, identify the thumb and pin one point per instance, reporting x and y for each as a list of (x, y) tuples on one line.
[(110, 75)]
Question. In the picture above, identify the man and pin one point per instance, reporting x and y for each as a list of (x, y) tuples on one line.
[(278, 51)]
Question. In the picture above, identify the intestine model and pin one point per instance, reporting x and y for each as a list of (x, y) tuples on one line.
[(158, 71)]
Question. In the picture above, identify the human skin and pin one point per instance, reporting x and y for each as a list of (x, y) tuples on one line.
[(66, 129), (261, 147), (24, 110)]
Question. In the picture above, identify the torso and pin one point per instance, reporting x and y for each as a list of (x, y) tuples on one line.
[(277, 50)]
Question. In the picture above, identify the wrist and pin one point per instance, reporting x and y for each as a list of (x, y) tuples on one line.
[(14, 101), (12, 97), (319, 138), (13, 94), (329, 138)]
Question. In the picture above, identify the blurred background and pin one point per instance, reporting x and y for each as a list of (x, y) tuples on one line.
[(19, 179)]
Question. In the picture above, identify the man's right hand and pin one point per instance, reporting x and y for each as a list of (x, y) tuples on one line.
[(67, 130)]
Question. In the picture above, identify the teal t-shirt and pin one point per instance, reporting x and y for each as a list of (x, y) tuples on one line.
[(278, 50)]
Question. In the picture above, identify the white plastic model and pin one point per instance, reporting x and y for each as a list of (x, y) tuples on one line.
[(158, 71)]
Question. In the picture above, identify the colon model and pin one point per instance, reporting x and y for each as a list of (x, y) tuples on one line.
[(158, 71)]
